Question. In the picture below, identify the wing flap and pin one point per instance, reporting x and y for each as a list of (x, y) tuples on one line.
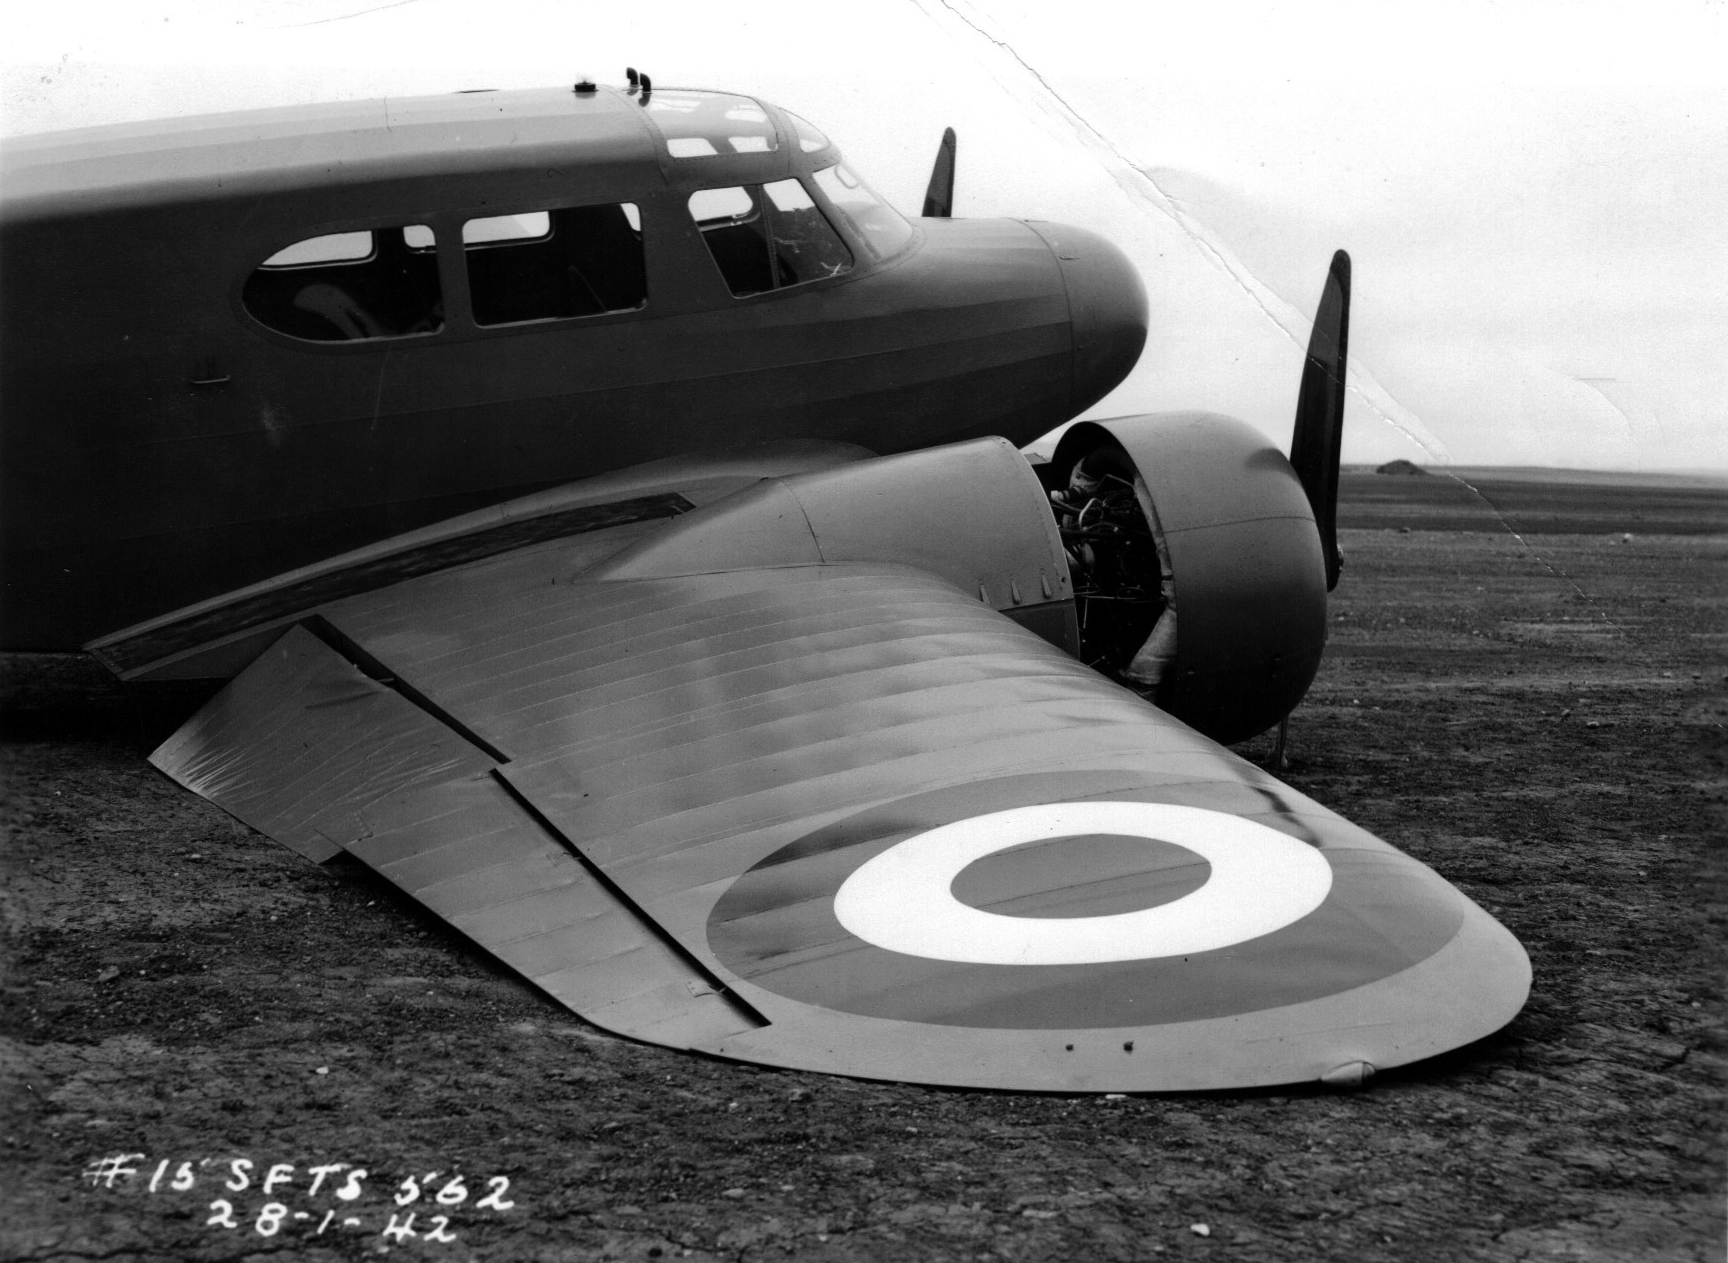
[(302, 739), (306, 748), (467, 851)]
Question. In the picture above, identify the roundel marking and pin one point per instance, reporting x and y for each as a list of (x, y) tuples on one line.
[(774, 926), (1261, 881)]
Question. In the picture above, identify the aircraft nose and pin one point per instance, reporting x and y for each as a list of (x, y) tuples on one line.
[(1106, 304)]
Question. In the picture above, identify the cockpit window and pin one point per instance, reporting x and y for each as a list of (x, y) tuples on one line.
[(555, 264), (766, 237), (702, 124), (882, 227), (350, 286), (805, 243), (809, 139)]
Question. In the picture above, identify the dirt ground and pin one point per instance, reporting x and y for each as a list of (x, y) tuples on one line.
[(1539, 718)]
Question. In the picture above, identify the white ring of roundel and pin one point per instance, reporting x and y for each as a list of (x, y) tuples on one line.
[(1261, 881)]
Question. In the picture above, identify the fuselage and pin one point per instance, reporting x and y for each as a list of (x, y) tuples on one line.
[(235, 345)]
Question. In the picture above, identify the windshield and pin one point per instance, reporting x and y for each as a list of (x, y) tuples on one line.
[(884, 230)]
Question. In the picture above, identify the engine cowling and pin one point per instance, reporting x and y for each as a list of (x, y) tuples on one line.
[(1195, 513)]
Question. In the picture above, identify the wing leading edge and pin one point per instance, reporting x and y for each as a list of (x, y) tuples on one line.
[(844, 817)]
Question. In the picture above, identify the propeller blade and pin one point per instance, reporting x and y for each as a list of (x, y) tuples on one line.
[(939, 197), (1314, 446)]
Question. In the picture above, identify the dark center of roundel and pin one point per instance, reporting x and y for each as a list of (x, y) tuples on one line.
[(1091, 875)]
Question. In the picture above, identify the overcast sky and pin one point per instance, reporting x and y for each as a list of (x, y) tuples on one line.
[(1533, 193)]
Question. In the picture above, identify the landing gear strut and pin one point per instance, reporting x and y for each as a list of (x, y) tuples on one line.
[(1279, 759)]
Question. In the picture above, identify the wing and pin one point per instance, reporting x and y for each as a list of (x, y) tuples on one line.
[(842, 817)]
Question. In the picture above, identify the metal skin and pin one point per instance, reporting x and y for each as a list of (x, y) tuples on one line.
[(161, 445), (652, 767), (973, 514), (1249, 571), (218, 637), (780, 753)]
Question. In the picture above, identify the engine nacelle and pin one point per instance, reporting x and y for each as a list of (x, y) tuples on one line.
[(1230, 538)]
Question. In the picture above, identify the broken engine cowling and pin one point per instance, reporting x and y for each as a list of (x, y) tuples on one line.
[(1197, 567)]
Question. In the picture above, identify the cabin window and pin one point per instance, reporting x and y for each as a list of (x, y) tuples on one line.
[(882, 227), (703, 124), (766, 237), (350, 286), (337, 247), (555, 264)]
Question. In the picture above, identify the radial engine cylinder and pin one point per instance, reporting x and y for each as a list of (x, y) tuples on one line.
[(1197, 569)]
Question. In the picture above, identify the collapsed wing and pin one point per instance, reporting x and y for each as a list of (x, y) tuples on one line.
[(842, 816)]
